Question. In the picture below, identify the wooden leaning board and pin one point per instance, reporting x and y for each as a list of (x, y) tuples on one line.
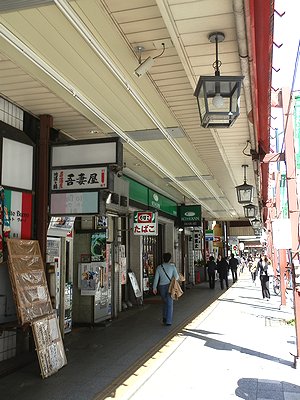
[(28, 278), (33, 303), (49, 345)]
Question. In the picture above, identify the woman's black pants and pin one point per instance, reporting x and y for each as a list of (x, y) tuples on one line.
[(264, 280)]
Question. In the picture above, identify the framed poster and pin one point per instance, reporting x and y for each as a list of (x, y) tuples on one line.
[(98, 246)]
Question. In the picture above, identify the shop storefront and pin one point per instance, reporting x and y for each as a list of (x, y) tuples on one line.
[(84, 186), (146, 248)]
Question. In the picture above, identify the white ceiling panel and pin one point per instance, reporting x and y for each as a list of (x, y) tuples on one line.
[(100, 92)]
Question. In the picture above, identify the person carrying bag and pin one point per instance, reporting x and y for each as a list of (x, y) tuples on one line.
[(164, 275)]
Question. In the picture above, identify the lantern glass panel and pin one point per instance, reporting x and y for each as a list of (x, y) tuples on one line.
[(218, 100), (250, 211), (256, 224), (244, 193)]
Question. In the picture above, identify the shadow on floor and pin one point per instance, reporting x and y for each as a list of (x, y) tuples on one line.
[(252, 389), (221, 345)]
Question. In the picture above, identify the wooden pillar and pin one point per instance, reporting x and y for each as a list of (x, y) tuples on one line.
[(46, 122)]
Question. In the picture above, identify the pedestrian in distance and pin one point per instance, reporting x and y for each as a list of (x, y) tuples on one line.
[(253, 269), (219, 258), (223, 272), (211, 271), (263, 268), (233, 265), (243, 264), (162, 278)]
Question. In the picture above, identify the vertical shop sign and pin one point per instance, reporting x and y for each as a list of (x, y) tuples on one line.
[(145, 223), (197, 239)]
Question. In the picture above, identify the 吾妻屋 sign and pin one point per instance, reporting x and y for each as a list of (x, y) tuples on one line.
[(79, 178), (145, 223)]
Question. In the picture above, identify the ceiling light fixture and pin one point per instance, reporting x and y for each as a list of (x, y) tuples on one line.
[(256, 223), (218, 97), (244, 192), (250, 211)]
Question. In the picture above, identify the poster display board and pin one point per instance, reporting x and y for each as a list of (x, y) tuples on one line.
[(28, 279), (90, 276), (98, 246), (49, 345)]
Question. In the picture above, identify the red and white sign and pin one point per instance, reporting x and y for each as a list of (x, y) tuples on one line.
[(19, 209), (145, 223), (79, 178)]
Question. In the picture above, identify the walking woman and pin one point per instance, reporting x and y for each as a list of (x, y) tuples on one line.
[(163, 276), (263, 265)]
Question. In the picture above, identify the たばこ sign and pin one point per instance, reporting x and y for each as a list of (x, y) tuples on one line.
[(145, 223)]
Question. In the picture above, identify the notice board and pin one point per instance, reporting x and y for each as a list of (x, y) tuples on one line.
[(134, 284)]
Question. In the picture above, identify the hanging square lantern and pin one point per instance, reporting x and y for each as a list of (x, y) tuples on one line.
[(218, 97), (244, 192), (250, 211), (256, 223)]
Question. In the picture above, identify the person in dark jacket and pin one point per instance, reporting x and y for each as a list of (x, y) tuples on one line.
[(233, 265), (222, 267), (263, 267), (211, 270)]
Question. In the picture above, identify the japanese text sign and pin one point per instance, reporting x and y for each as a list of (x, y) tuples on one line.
[(145, 223), (79, 178)]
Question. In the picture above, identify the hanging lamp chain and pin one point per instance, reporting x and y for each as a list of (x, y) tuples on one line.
[(245, 172), (217, 64)]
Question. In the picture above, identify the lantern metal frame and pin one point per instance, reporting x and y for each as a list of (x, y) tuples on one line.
[(256, 223), (250, 211), (218, 97), (245, 192)]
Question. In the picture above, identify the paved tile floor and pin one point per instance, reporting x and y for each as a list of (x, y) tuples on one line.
[(222, 345)]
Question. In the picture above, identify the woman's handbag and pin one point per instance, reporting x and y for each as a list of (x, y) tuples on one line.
[(175, 289)]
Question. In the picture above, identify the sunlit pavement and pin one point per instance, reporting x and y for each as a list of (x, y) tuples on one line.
[(240, 347), (222, 345)]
